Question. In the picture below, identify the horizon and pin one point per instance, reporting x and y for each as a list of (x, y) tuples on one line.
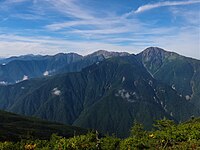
[(93, 52), (83, 27)]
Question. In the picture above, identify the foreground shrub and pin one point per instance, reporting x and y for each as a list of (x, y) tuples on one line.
[(109, 142), (167, 135)]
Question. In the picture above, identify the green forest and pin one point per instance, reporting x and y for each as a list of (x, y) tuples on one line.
[(165, 134)]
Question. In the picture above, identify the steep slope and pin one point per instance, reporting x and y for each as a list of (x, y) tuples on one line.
[(14, 127), (19, 69), (90, 59), (16, 69), (107, 96), (181, 73)]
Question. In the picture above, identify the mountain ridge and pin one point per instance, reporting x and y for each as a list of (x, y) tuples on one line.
[(14, 69)]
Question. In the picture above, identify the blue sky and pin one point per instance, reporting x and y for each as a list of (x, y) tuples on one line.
[(84, 26)]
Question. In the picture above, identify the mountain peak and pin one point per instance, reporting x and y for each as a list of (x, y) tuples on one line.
[(154, 56), (60, 55), (108, 54), (157, 52), (153, 51)]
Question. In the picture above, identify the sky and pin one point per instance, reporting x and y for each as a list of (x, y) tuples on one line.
[(84, 26)]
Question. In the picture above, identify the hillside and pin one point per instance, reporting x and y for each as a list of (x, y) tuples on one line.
[(17, 69), (14, 127), (107, 96), (179, 72)]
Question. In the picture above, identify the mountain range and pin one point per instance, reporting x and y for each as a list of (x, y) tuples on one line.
[(17, 69), (106, 91)]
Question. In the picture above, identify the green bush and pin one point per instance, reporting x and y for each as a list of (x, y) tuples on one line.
[(109, 143), (167, 135)]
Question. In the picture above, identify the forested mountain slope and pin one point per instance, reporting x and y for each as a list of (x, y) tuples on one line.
[(108, 96)]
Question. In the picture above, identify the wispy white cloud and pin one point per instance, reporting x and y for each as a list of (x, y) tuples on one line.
[(27, 16), (97, 22), (185, 42), (71, 8), (80, 28), (7, 3), (18, 45), (83, 16), (15, 1), (191, 17), (165, 3)]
